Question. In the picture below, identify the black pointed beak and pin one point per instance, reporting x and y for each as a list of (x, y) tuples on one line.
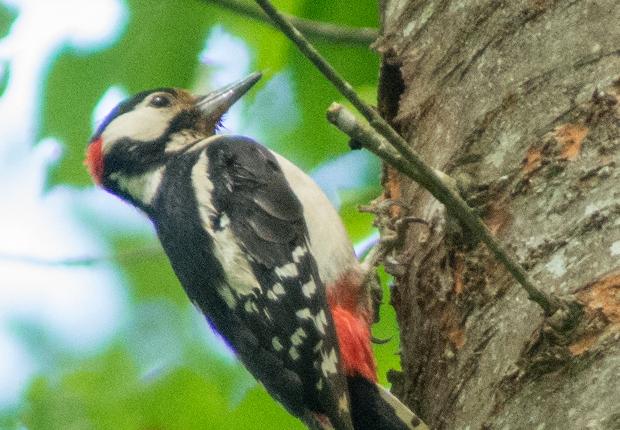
[(216, 103)]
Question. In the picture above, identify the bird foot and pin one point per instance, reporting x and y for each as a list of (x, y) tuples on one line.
[(392, 233)]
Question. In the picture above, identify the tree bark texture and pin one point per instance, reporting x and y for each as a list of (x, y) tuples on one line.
[(519, 102)]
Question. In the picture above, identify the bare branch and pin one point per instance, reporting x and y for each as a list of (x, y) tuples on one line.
[(371, 140), (314, 29)]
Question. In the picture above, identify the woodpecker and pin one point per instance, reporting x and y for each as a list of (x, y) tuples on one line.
[(258, 248)]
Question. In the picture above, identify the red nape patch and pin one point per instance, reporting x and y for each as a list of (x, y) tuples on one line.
[(94, 160), (354, 341)]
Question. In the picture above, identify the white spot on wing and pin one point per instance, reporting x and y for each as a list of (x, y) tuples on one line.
[(278, 289), (590, 209), (224, 221), (303, 313), (250, 307), (293, 353), (329, 363), (320, 321), (309, 288), (614, 249), (287, 271), (298, 337), (277, 345), (299, 252), (343, 404)]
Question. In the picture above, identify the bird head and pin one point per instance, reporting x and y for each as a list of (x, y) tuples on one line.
[(143, 131)]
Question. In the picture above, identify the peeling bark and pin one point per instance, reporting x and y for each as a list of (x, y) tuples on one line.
[(519, 101)]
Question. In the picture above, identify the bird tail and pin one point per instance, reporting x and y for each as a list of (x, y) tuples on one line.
[(374, 407)]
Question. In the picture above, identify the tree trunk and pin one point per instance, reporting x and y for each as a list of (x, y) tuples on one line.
[(518, 101)]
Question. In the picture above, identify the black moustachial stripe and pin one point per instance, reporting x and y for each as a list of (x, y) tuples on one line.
[(132, 157)]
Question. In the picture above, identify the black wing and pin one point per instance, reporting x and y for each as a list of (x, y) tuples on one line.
[(288, 316)]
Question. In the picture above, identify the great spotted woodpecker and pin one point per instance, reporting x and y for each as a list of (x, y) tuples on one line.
[(258, 248)]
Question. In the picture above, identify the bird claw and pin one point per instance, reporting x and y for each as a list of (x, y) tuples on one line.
[(394, 267), (380, 341), (391, 236), (391, 231)]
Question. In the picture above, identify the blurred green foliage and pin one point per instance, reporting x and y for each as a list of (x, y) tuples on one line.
[(159, 372)]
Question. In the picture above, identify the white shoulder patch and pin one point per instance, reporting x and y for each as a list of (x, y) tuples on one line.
[(239, 274)]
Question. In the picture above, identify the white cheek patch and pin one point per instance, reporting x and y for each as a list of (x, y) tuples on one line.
[(142, 124)]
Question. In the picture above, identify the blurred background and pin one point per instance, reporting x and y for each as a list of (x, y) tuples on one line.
[(95, 331)]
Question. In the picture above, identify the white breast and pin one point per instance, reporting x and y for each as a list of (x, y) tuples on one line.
[(329, 241)]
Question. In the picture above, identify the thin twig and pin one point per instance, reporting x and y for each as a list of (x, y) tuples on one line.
[(371, 140), (313, 29)]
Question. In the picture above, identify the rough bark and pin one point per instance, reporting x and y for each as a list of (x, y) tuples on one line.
[(519, 101)]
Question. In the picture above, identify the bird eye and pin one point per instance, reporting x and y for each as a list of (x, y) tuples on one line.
[(160, 101)]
